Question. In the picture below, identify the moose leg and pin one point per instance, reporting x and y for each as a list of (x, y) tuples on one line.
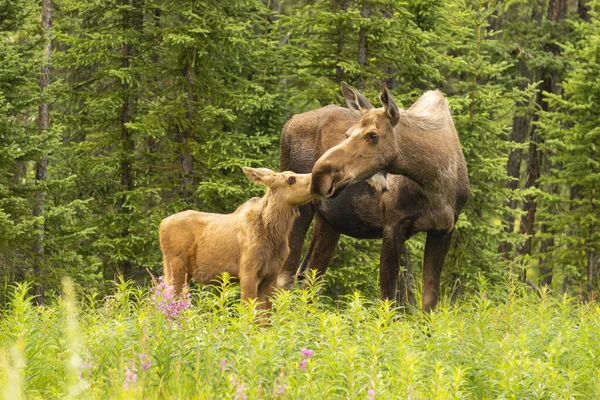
[(176, 274), (296, 240), (322, 246), (406, 280), (436, 248), (265, 291), (389, 268), (249, 287)]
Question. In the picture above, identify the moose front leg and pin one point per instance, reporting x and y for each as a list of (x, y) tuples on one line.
[(321, 248), (389, 268), (296, 240), (436, 248)]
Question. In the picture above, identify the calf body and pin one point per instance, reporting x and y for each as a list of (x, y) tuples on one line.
[(251, 243)]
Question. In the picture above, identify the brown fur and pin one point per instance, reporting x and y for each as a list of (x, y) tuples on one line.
[(251, 243), (428, 190)]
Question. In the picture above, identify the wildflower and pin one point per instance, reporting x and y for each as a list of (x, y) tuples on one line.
[(303, 364), (282, 388), (371, 394), (130, 377), (145, 362), (485, 296), (85, 366), (306, 352), (223, 364), (164, 298)]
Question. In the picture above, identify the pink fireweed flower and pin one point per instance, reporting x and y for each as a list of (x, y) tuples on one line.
[(223, 364), (163, 297), (303, 364), (371, 394), (85, 366), (306, 352), (145, 362), (282, 388), (130, 378)]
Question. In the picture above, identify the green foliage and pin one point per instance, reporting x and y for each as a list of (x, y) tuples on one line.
[(506, 345), (572, 140), (155, 106)]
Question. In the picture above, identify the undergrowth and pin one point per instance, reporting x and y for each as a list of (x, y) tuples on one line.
[(134, 344)]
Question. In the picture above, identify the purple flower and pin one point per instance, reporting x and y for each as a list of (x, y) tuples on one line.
[(130, 377), (371, 394), (145, 362), (223, 364), (163, 297), (303, 364), (240, 390), (282, 388), (306, 352)]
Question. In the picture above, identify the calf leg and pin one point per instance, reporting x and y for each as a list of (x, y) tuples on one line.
[(175, 274), (389, 268), (322, 246), (296, 240), (436, 248)]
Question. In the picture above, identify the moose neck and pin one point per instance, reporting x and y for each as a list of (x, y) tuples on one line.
[(422, 157), (277, 216)]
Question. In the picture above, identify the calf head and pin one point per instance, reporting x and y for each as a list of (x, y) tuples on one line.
[(289, 187), (370, 145)]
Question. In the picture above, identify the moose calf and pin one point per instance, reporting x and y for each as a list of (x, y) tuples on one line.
[(251, 243)]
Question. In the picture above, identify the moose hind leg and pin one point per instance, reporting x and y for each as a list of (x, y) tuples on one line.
[(436, 248), (177, 275), (321, 249), (265, 291)]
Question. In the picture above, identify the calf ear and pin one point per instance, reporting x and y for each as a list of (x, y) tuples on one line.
[(260, 176), (391, 109), (354, 100)]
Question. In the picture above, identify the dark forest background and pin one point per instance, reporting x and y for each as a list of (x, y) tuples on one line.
[(117, 113)]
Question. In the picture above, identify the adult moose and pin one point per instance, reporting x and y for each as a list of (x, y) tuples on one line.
[(345, 146)]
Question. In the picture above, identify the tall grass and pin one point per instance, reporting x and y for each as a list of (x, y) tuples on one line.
[(519, 346)]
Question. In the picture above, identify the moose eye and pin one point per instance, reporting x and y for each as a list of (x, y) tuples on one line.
[(291, 180), (373, 137)]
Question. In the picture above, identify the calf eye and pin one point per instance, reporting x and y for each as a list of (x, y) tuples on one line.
[(373, 137), (291, 180)]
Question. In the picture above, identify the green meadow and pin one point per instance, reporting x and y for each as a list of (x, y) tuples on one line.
[(515, 345)]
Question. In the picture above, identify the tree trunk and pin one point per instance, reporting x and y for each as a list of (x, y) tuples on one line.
[(545, 264), (186, 161), (520, 130), (583, 10), (130, 19), (556, 11), (42, 164), (339, 6), (362, 46), (591, 270), (546, 272), (533, 174)]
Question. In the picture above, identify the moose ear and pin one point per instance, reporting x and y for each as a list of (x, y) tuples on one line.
[(389, 105), (354, 100), (260, 176)]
